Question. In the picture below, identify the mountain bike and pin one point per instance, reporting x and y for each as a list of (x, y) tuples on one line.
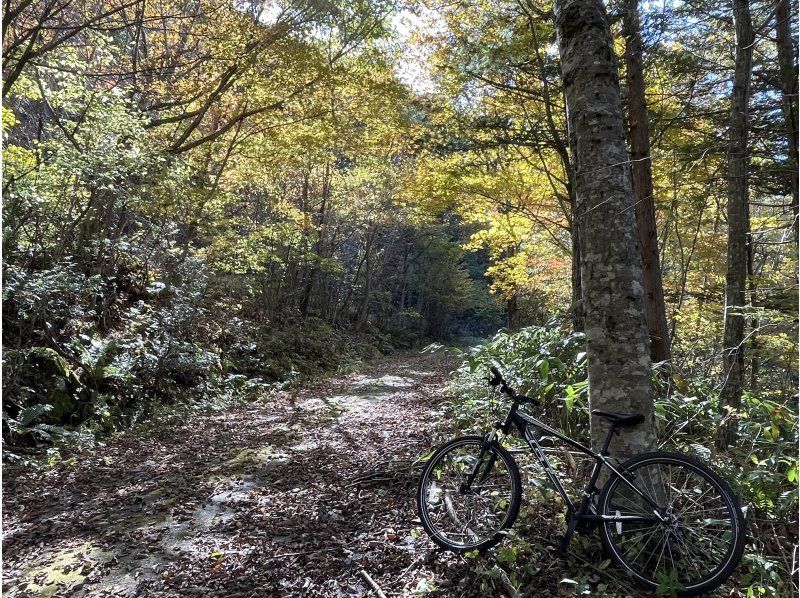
[(666, 518)]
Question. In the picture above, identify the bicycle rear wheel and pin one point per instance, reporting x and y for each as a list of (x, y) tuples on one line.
[(692, 542), (468, 495)]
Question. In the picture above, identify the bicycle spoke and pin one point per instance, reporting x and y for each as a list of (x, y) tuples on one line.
[(695, 557), (664, 547), (659, 535), (645, 541), (640, 507)]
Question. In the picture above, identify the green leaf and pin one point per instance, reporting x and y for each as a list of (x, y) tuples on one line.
[(791, 475), (544, 369), (29, 414)]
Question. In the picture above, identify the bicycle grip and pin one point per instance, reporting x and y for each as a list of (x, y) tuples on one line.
[(496, 378)]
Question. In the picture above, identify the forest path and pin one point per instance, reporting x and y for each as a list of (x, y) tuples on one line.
[(290, 496)]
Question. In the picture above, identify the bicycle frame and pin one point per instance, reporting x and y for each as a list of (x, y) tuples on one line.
[(581, 512)]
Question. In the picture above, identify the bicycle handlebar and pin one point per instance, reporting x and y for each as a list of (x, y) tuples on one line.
[(497, 379)]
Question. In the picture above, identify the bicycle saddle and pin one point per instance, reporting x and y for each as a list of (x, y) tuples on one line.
[(620, 419)]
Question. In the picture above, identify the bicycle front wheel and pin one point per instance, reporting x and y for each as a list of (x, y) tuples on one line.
[(468, 495), (691, 542)]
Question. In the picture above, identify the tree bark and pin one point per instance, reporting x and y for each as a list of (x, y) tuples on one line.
[(611, 270), (788, 82), (319, 222), (736, 273), (576, 309), (642, 177)]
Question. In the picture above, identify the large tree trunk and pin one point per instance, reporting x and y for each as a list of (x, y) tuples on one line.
[(576, 309), (736, 274), (611, 270), (642, 176), (577, 288), (788, 83)]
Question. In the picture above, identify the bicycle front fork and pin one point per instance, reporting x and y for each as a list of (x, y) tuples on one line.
[(466, 485)]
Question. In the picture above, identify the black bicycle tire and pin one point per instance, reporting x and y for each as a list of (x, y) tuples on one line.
[(516, 495), (736, 549)]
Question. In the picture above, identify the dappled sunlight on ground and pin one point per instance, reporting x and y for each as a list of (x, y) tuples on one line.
[(288, 496)]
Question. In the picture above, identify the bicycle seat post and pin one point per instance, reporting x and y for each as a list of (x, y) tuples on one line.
[(611, 431)]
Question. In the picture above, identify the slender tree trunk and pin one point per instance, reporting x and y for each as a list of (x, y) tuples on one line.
[(314, 266), (736, 274), (611, 270), (401, 302), (363, 313), (564, 147), (754, 321), (788, 81), (512, 312), (350, 288), (307, 263), (642, 176)]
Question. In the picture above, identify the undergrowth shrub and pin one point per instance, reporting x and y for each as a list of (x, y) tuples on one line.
[(542, 362)]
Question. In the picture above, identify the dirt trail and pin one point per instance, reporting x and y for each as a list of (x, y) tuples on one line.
[(289, 496)]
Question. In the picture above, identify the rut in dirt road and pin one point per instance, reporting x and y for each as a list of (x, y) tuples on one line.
[(293, 495)]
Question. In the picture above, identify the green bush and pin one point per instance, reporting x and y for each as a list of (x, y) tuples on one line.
[(547, 363)]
